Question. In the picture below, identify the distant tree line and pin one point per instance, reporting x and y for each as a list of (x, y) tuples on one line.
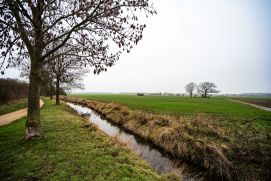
[(204, 89), (12, 89), (50, 91)]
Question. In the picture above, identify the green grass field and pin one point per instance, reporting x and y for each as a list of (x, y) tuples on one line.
[(13, 106), (69, 151), (175, 105)]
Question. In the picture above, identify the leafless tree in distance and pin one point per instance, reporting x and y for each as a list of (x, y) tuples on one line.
[(47, 79), (67, 72), (28, 30), (190, 88), (205, 88)]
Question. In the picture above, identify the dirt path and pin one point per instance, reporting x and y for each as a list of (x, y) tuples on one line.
[(253, 105), (10, 117)]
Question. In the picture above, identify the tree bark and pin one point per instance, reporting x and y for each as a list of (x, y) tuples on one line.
[(205, 94), (33, 125), (51, 91), (57, 91)]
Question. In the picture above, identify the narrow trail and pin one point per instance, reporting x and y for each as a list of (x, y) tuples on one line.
[(10, 117), (253, 105)]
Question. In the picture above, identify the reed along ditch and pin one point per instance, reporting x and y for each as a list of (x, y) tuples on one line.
[(156, 157)]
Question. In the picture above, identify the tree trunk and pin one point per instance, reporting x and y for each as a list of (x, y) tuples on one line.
[(43, 91), (33, 125), (51, 91), (57, 90), (205, 94)]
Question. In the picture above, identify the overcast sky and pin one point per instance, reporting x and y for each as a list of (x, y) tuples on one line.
[(224, 41)]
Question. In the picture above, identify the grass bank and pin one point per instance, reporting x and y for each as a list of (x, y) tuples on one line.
[(69, 151), (237, 150), (13, 106)]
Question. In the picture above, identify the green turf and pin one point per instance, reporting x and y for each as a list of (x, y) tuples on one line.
[(13, 106), (184, 105), (69, 151)]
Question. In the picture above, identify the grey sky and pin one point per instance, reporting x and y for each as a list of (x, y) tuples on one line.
[(224, 41)]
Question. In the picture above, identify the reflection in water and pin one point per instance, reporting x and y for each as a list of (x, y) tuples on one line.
[(158, 160)]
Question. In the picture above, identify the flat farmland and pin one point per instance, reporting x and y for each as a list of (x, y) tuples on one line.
[(178, 106), (241, 132)]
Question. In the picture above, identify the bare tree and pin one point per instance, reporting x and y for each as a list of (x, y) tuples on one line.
[(64, 71), (47, 79), (67, 72), (205, 88), (28, 30), (190, 88)]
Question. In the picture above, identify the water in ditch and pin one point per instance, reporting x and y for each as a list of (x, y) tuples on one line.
[(160, 161)]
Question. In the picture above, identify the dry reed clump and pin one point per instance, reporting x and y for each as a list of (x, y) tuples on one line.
[(176, 175), (91, 127), (195, 139), (116, 141), (141, 119), (160, 121)]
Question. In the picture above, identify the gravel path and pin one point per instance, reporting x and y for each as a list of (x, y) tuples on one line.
[(10, 117)]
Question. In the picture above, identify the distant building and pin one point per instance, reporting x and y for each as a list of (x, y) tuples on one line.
[(140, 94)]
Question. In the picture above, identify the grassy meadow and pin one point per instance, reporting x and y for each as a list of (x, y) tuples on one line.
[(229, 138), (69, 151), (177, 105)]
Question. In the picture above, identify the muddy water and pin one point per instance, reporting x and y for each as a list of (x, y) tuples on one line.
[(155, 157)]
